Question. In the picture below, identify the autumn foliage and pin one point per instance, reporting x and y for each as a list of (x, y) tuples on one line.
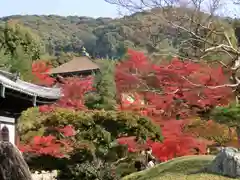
[(51, 145), (176, 142), (73, 90), (171, 94), (171, 85), (39, 70)]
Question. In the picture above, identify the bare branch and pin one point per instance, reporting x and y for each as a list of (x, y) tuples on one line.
[(237, 2), (213, 87), (203, 33), (224, 47)]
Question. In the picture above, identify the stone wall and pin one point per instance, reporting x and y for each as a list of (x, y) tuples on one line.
[(44, 175)]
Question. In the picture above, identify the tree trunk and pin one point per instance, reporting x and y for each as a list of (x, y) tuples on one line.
[(238, 134), (230, 133), (12, 164)]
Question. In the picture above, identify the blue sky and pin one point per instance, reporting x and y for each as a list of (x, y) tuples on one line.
[(94, 8)]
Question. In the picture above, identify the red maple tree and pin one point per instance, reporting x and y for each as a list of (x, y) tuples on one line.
[(51, 145), (73, 91), (176, 142), (40, 71), (170, 93), (173, 88)]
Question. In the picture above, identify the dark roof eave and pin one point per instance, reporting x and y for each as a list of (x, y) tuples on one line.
[(73, 72), (35, 99)]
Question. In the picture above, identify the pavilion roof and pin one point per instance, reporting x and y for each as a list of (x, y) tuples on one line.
[(77, 64), (6, 80)]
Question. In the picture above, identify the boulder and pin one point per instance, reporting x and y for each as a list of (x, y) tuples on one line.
[(44, 175), (226, 163), (12, 164)]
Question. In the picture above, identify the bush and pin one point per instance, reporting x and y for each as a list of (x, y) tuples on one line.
[(210, 130), (73, 140), (98, 170), (30, 124), (94, 126), (229, 115)]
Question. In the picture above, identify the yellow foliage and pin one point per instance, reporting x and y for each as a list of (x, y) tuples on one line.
[(220, 134)]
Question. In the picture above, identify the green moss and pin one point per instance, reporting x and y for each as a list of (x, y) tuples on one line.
[(183, 168)]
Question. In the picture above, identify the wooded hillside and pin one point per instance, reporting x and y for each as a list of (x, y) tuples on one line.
[(105, 36)]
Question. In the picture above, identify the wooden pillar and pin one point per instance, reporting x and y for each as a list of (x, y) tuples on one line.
[(16, 139)]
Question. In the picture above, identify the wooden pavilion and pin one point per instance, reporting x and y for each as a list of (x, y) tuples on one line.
[(78, 66), (16, 96)]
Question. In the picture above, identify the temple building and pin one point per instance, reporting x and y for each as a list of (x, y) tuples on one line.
[(16, 96), (78, 66)]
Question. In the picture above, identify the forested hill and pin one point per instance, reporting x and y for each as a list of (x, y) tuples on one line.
[(105, 36), (65, 33), (101, 36)]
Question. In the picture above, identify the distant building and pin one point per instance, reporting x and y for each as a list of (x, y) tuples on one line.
[(78, 66), (16, 96), (85, 53)]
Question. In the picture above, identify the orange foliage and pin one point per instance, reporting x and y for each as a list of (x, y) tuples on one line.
[(40, 71)]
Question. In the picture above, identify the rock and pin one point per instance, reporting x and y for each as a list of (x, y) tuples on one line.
[(12, 164), (226, 163), (45, 175)]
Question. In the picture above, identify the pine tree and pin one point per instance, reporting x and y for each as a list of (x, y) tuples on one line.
[(105, 96)]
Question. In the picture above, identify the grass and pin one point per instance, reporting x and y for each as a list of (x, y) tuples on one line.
[(183, 168)]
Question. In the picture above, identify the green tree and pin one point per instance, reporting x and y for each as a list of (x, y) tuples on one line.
[(13, 35), (229, 115), (61, 58), (19, 47), (105, 95), (4, 59), (20, 62), (89, 41)]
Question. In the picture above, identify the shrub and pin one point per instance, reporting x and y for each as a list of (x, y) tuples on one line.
[(229, 115), (30, 124), (103, 126), (81, 137), (90, 171), (213, 131)]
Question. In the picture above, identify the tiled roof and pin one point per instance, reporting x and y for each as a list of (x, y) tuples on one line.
[(28, 88), (77, 64)]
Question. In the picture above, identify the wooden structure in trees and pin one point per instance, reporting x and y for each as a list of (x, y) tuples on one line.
[(78, 66), (16, 96)]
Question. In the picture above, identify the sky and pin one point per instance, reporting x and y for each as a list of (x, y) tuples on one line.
[(93, 8)]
